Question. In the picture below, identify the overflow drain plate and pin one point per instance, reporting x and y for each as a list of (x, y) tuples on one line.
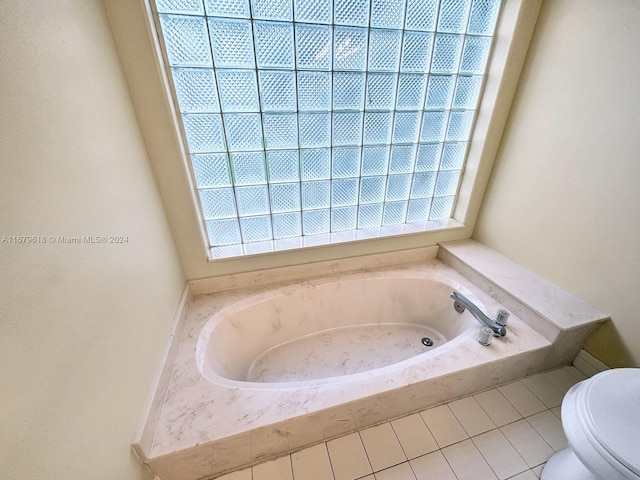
[(427, 342)]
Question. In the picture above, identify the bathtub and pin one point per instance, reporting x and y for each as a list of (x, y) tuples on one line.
[(333, 331), (265, 370)]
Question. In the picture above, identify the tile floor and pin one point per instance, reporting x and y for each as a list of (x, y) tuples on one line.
[(505, 433)]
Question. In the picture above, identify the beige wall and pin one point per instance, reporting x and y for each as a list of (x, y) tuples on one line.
[(82, 327), (564, 199)]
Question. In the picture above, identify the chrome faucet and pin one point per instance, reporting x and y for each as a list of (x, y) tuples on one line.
[(497, 326)]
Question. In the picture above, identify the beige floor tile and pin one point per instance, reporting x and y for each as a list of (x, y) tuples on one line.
[(550, 428), (279, 468), (398, 472), (528, 475), (537, 471), (414, 436), (497, 407), (348, 458), (382, 446), (546, 391), (472, 416), (576, 373), (444, 425), (562, 379), (467, 462), (432, 467), (503, 459), (521, 397), (531, 446), (312, 463), (557, 411)]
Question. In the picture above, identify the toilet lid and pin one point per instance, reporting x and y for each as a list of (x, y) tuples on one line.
[(612, 400)]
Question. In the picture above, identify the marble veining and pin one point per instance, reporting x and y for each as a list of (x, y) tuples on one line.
[(212, 424)]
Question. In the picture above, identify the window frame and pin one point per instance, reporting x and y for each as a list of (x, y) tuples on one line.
[(152, 94)]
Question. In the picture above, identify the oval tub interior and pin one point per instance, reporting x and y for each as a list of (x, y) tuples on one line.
[(329, 330)]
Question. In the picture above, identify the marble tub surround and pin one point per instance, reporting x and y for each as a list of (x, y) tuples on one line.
[(561, 317), (205, 429)]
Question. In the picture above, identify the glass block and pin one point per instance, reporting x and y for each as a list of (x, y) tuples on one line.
[(347, 128), (227, 251), (256, 229), (428, 158), (314, 91), (384, 50), (227, 8), (274, 44), (280, 130), (314, 11), (350, 48), (406, 126), (411, 89), (398, 187), (348, 90), (286, 225), (313, 47), (447, 183), (344, 191), (446, 55), (189, 7), (372, 189), (211, 170), (196, 90), (423, 185), (316, 194), (421, 15), (453, 16), (232, 43), (217, 203), (440, 92), (441, 208), (290, 243), (283, 166), (248, 168), (260, 246), (370, 215), (418, 210), (351, 12), (186, 40), (204, 133), (315, 164), (433, 126), (475, 54), (244, 131), (344, 218), (277, 91), (345, 162), (377, 128), (285, 197), (460, 125), (315, 129), (272, 10), (467, 92), (223, 232), (394, 213), (315, 222), (387, 13), (483, 17), (416, 52), (375, 160), (453, 156), (252, 200), (238, 90), (403, 158), (381, 91)]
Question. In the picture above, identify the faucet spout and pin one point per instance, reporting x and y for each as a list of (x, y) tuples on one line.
[(462, 302)]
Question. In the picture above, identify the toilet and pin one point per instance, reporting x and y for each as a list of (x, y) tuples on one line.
[(601, 420)]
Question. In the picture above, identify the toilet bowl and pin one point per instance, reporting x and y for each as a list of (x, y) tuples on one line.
[(601, 420)]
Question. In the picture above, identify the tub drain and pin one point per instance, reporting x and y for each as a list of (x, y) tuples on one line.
[(427, 342)]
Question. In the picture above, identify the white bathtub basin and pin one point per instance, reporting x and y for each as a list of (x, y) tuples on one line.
[(321, 333)]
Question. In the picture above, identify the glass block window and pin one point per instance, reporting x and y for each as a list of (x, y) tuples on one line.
[(319, 121)]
